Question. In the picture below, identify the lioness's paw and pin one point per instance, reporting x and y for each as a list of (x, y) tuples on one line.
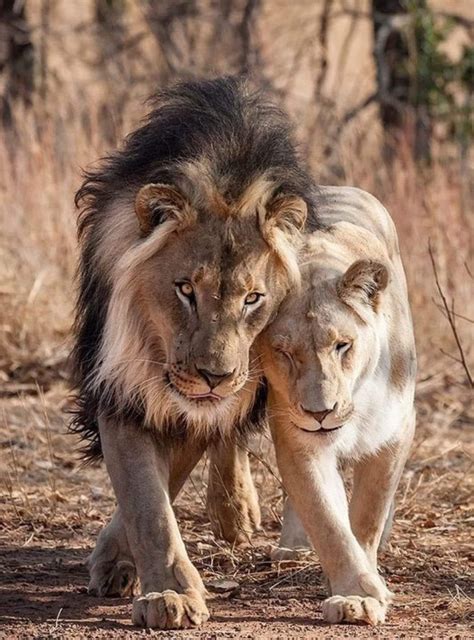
[(113, 579), (169, 610), (374, 585), (352, 609), (364, 585)]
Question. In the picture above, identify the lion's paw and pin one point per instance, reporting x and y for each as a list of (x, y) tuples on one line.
[(113, 579), (354, 609), (169, 610)]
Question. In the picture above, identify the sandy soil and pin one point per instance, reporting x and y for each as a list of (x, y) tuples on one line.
[(53, 509)]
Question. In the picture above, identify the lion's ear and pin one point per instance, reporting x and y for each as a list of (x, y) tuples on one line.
[(156, 203), (287, 213), (363, 281), (280, 222)]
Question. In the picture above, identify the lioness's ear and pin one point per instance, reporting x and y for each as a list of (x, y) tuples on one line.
[(286, 212), (156, 203), (364, 280)]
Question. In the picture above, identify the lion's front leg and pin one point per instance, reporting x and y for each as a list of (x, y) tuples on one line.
[(172, 590), (316, 490), (111, 565), (232, 500), (376, 479)]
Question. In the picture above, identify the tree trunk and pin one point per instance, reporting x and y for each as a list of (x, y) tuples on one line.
[(17, 55), (394, 81)]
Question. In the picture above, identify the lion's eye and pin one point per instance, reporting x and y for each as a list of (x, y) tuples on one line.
[(185, 289), (286, 354), (253, 298), (343, 347)]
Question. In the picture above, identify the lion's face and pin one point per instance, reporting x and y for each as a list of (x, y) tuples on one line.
[(322, 345), (191, 293), (207, 294)]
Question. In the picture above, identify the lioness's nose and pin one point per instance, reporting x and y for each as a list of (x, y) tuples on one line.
[(214, 378), (318, 415)]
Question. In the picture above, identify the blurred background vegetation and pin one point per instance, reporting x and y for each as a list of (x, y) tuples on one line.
[(381, 93)]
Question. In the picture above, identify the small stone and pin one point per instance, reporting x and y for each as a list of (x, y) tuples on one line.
[(223, 586)]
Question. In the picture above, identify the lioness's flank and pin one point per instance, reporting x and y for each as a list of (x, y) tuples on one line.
[(340, 359), (189, 239)]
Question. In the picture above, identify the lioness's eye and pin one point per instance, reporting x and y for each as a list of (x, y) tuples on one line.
[(343, 347), (253, 298), (185, 289)]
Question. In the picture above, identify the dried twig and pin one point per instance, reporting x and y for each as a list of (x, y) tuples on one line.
[(458, 315), (451, 317), (264, 464)]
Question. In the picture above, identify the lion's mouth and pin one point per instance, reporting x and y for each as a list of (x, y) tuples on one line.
[(214, 397), (198, 398)]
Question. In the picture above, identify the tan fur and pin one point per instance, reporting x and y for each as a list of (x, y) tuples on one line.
[(330, 403)]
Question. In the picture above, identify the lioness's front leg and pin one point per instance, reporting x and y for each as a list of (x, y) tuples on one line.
[(173, 592), (316, 490), (293, 539), (376, 479), (232, 501)]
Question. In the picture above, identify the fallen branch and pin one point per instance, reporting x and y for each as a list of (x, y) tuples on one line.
[(451, 317)]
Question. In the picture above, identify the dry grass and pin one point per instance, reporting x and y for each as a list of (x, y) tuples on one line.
[(53, 509)]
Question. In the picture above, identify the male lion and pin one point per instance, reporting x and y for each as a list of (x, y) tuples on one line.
[(189, 239), (340, 362)]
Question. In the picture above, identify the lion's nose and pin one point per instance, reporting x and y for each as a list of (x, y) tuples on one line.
[(318, 415), (214, 378)]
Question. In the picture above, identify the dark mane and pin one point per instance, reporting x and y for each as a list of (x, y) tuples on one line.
[(239, 132)]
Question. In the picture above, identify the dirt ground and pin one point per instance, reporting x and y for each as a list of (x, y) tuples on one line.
[(52, 510)]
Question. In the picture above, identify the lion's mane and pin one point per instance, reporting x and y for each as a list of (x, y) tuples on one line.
[(241, 136)]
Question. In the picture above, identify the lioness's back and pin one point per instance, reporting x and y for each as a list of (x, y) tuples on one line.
[(360, 208)]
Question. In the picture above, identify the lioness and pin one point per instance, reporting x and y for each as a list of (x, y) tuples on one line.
[(189, 238), (340, 360)]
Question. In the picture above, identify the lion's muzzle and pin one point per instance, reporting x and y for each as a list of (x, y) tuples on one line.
[(205, 385)]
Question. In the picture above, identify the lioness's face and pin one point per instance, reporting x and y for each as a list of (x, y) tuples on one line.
[(207, 294), (320, 346)]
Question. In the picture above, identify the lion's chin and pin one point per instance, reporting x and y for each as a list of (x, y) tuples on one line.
[(203, 407)]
